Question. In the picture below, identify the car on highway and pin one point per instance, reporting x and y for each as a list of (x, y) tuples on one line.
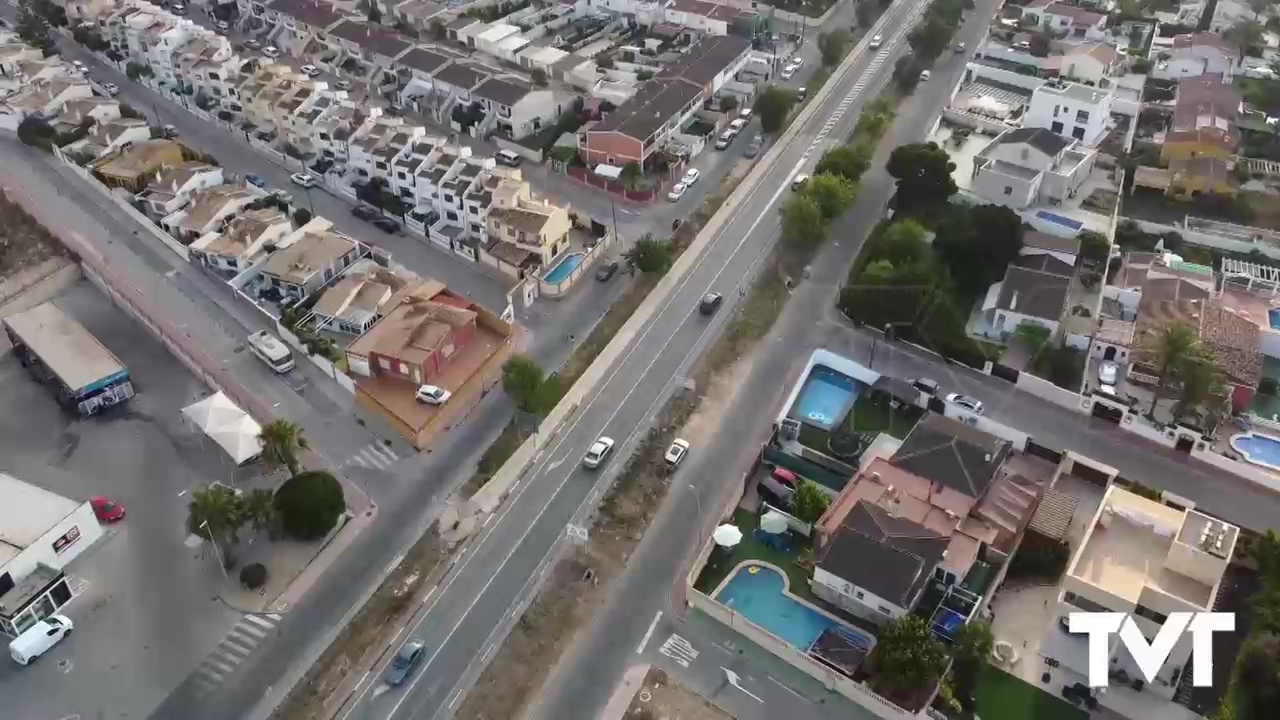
[(597, 453), (725, 139), (406, 660), (973, 405), (675, 454), (364, 212), (271, 51), (1108, 373), (607, 271), (959, 47), (303, 180), (876, 42), (252, 44), (690, 177), (112, 89), (107, 511), (386, 225), (677, 191), (710, 303), (310, 70), (432, 395)]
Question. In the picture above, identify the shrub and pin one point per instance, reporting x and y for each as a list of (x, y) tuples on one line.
[(309, 505), (253, 576)]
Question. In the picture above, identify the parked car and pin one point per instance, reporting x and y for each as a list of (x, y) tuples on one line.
[(112, 89), (710, 303), (222, 26), (343, 84), (725, 139), (973, 405), (310, 70), (798, 181), (252, 44), (271, 51), (690, 177), (801, 93), (386, 225), (607, 271), (79, 66), (508, 158), (677, 191), (737, 125), (778, 486), (107, 511), (178, 9), (675, 453), (364, 212), (406, 660), (796, 61), (959, 47), (745, 113), (789, 72), (753, 149), (1022, 45), (39, 638), (432, 395), (256, 181), (1108, 373), (876, 42), (303, 179), (597, 453), (924, 75), (925, 385)]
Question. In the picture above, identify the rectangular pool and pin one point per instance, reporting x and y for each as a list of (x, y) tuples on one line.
[(825, 398)]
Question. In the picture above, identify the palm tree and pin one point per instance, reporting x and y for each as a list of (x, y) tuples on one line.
[(258, 509), (216, 513), (1171, 347), (1201, 382), (281, 441)]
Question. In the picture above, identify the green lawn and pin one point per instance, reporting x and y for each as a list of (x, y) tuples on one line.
[(1002, 696), (749, 549), (874, 414)]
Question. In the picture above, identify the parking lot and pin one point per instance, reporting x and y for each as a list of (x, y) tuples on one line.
[(145, 609)]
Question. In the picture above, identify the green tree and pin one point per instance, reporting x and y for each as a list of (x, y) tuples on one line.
[(257, 510), (650, 255), (908, 656), (923, 172), (1265, 551), (809, 502), (1245, 36), (972, 646), (929, 38), (728, 102), (374, 13), (538, 76), (524, 382), (301, 216), (37, 132), (803, 224), (1170, 348), (282, 441), (439, 29), (34, 29), (631, 174), (901, 243), (1199, 381), (253, 576), (773, 105), (846, 161), (977, 245), (832, 194), (833, 46), (1094, 246), (309, 505), (216, 513), (1257, 683)]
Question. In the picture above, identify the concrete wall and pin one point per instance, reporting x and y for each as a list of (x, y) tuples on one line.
[(33, 286)]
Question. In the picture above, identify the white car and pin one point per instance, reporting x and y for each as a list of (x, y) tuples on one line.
[(597, 453), (303, 180), (798, 181), (677, 191), (789, 72), (736, 126), (78, 65), (1108, 372), (745, 114), (271, 51), (111, 88), (690, 177), (973, 405), (676, 453), (796, 62), (876, 42), (432, 395), (310, 70), (924, 75)]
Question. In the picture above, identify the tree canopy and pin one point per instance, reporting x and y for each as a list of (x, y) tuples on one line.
[(978, 246), (309, 505), (908, 656), (803, 224), (833, 46), (772, 106), (832, 194), (650, 255), (524, 382), (282, 441), (923, 172), (846, 161)]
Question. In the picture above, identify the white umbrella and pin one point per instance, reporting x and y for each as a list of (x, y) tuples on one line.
[(773, 522), (727, 536)]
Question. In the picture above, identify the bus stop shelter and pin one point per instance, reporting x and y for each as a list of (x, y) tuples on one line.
[(229, 426)]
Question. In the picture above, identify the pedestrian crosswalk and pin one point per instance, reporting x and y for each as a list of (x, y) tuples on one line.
[(374, 456), (235, 647)]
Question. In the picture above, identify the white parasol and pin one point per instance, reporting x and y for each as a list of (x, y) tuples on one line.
[(727, 536), (773, 522)]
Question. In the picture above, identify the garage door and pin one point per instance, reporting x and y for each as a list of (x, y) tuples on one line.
[(1108, 412)]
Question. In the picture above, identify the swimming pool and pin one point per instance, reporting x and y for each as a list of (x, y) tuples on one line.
[(562, 269), (825, 397), (1258, 449), (1274, 316), (759, 597)]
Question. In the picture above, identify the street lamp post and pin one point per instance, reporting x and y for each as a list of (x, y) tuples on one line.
[(217, 553), (697, 498)]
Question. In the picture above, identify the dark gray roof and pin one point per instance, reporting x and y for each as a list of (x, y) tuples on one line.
[(372, 37), (891, 557), (952, 454), (1046, 263), (423, 59), (461, 75), (310, 12), (706, 59), (1045, 241), (463, 21), (1035, 293), (1041, 139), (504, 91)]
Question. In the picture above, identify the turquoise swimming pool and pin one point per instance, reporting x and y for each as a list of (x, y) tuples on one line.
[(561, 270), (825, 398), (760, 598)]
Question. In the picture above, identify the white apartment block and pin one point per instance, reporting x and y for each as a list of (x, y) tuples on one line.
[(1070, 110)]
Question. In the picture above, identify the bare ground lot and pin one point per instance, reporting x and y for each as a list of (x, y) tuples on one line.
[(663, 698), (23, 241)]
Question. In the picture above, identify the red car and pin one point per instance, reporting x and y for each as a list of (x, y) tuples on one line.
[(107, 511)]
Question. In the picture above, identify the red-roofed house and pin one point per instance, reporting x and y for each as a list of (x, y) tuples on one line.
[(1204, 120)]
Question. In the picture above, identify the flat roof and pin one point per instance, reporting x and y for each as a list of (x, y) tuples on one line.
[(64, 346), (27, 513)]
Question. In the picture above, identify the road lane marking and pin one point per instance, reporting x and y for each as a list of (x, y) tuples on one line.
[(680, 650), (649, 633)]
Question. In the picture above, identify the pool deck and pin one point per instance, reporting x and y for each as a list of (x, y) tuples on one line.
[(786, 591)]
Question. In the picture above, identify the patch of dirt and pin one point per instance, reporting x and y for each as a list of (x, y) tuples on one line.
[(367, 635), (662, 698), (24, 242), (706, 419)]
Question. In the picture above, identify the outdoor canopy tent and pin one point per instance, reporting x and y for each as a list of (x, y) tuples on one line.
[(227, 425)]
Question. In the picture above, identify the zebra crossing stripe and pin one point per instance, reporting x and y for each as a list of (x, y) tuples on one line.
[(221, 666), (235, 633), (253, 631), (241, 649), (680, 650), (258, 621), (274, 617)]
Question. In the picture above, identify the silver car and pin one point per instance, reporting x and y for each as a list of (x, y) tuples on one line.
[(1108, 373)]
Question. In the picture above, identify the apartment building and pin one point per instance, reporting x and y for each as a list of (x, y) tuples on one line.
[(243, 241), (1071, 110), (1146, 559)]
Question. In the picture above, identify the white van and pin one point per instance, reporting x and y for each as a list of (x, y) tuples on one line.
[(508, 158), (271, 351), (38, 638)]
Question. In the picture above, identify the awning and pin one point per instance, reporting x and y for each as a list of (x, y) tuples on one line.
[(609, 172), (227, 425)]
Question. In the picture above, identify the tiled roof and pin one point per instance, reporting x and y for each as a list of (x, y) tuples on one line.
[(1234, 342), (423, 60), (952, 454), (890, 557), (372, 37)]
